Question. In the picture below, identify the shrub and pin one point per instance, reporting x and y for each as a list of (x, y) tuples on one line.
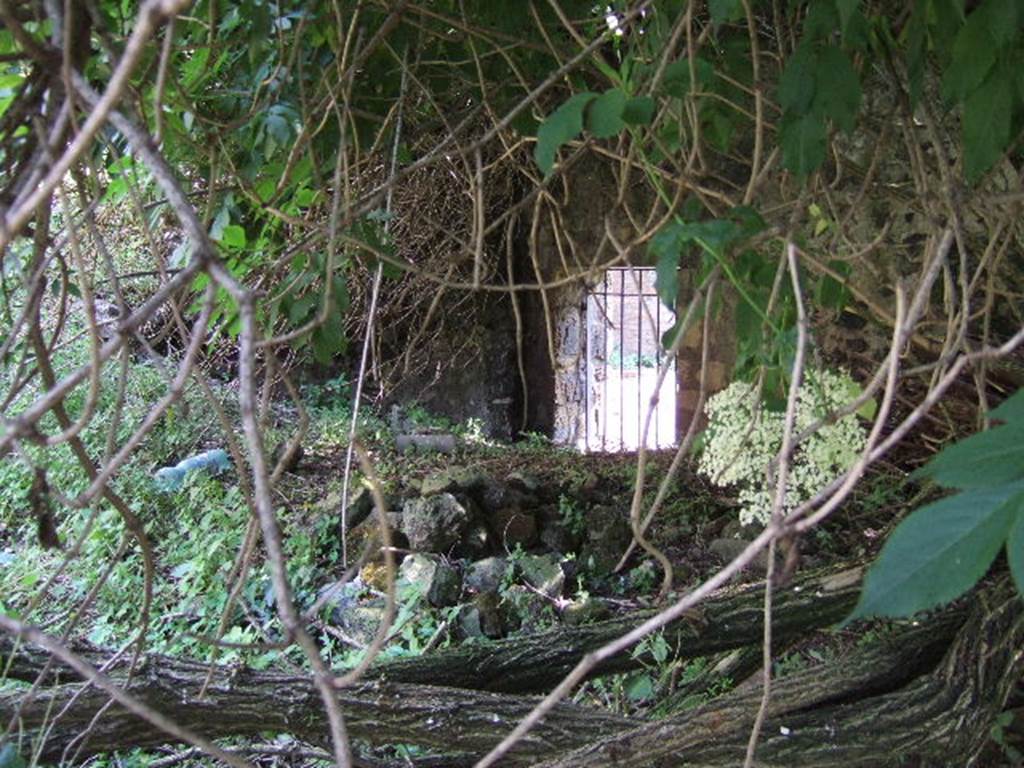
[(743, 438)]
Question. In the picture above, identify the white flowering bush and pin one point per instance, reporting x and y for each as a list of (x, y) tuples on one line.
[(738, 454)]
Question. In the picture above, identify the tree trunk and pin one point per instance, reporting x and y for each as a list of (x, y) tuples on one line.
[(930, 690), (912, 694), (240, 702), (732, 618)]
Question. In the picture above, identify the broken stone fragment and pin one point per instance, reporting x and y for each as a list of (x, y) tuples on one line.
[(513, 527), (487, 575), (607, 536), (481, 618), (359, 507), (544, 573), (584, 610), (434, 523), (436, 579), (526, 610)]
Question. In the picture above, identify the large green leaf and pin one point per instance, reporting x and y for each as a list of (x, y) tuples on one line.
[(1015, 547), (233, 236), (676, 81), (846, 10), (561, 126), (724, 10), (796, 84), (986, 122), (665, 247), (639, 110), (713, 235), (982, 460), (837, 90), (1011, 409), (804, 141), (604, 114), (1002, 18), (831, 293), (939, 552), (916, 47), (974, 53)]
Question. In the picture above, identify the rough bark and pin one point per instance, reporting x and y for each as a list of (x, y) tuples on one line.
[(929, 690), (914, 694), (730, 619), (242, 702)]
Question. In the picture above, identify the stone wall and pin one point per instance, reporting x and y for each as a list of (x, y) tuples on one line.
[(473, 376), (570, 238)]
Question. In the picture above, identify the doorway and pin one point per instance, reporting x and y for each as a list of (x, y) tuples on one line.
[(623, 354)]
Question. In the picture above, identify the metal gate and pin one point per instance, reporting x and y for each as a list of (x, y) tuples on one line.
[(625, 321)]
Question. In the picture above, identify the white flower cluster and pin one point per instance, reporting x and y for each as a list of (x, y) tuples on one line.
[(738, 452)]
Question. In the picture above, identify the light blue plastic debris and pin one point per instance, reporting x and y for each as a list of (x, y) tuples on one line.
[(171, 478)]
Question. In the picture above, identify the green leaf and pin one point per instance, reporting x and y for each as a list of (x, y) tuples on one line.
[(832, 293), (713, 235), (233, 236), (870, 407), (1002, 18), (665, 246), (668, 338), (837, 90), (803, 142), (1015, 548), (339, 287), (327, 340), (676, 81), (821, 21), (982, 460), (193, 69), (986, 123), (748, 319), (639, 110), (304, 197), (796, 84), (974, 53), (640, 688), (300, 309), (939, 552), (220, 221), (1011, 409), (748, 219), (846, 10), (724, 10), (604, 114), (916, 51), (265, 189), (561, 126)]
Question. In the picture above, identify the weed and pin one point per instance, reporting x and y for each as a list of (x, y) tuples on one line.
[(572, 516), (997, 733)]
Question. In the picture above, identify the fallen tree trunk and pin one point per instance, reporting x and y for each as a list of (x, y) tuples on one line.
[(912, 694), (928, 689), (731, 618), (395, 708), (241, 702)]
